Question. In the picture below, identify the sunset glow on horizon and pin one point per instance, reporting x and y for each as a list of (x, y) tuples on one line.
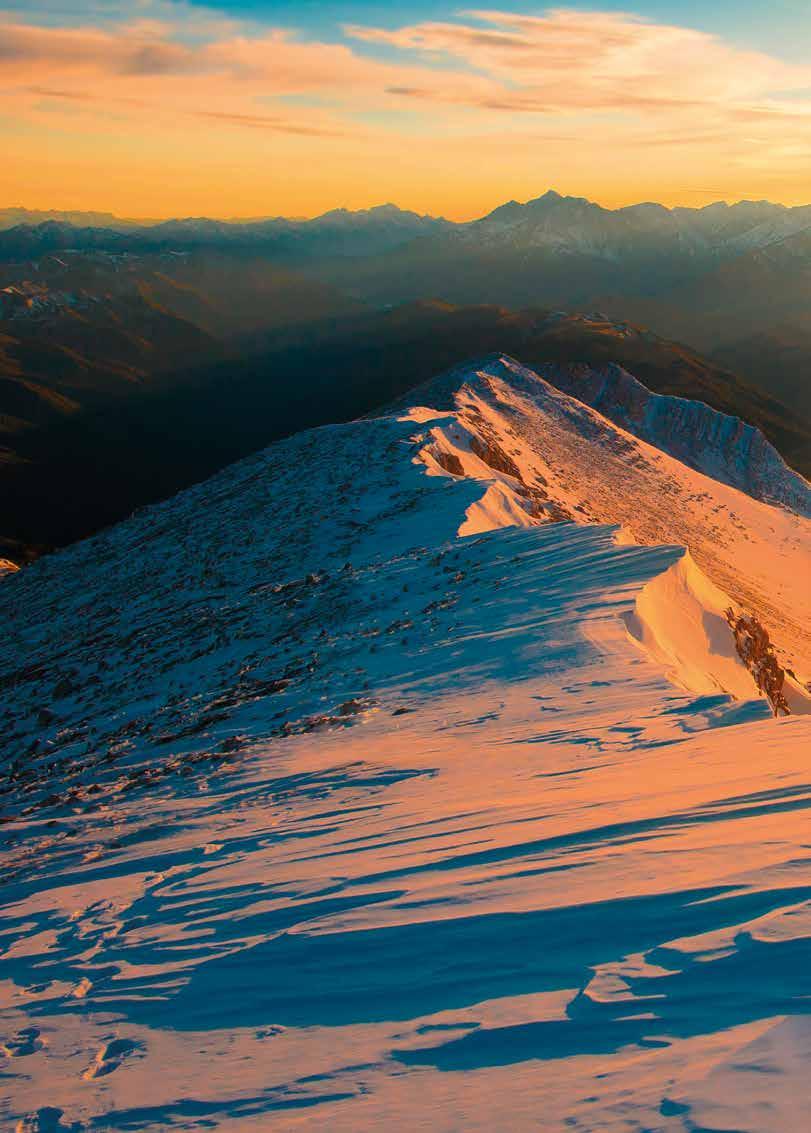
[(255, 110)]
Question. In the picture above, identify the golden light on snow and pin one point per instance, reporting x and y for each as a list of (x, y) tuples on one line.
[(411, 802)]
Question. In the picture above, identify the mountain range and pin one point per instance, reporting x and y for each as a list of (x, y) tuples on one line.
[(572, 225), (731, 281), (335, 233), (138, 358)]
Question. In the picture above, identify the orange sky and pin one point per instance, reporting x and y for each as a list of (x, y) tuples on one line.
[(166, 117)]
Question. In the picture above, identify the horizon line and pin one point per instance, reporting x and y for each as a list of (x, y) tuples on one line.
[(253, 218)]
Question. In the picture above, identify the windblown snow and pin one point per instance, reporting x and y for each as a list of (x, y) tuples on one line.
[(407, 773)]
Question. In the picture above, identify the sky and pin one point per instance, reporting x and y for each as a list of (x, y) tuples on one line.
[(159, 108)]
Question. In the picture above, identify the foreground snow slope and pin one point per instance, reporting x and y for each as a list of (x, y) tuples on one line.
[(320, 814)]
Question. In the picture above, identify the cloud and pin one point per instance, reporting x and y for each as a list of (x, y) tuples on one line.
[(574, 88), (564, 63), (139, 49), (269, 122), (146, 64), (570, 61), (50, 92)]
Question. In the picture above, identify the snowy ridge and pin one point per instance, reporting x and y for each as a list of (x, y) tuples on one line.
[(715, 443), (560, 459), (358, 787)]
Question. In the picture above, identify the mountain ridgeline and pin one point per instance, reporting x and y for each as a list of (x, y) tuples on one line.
[(93, 455), (411, 746), (139, 357), (568, 224), (732, 281)]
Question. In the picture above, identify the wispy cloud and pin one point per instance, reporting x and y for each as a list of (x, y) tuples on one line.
[(269, 122), (562, 63), (587, 87), (569, 61)]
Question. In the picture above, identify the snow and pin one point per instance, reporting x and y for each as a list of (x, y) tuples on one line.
[(341, 795), (679, 618), (722, 446), (577, 464)]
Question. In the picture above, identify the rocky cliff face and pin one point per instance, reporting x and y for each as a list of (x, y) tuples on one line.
[(714, 443)]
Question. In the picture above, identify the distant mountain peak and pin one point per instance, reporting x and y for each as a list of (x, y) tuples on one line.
[(382, 212), (549, 197), (389, 209)]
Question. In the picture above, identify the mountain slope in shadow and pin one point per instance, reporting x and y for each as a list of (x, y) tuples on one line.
[(88, 469)]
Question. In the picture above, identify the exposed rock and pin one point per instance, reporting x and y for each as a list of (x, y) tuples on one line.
[(450, 462), (757, 653), (351, 707), (63, 688), (494, 456)]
